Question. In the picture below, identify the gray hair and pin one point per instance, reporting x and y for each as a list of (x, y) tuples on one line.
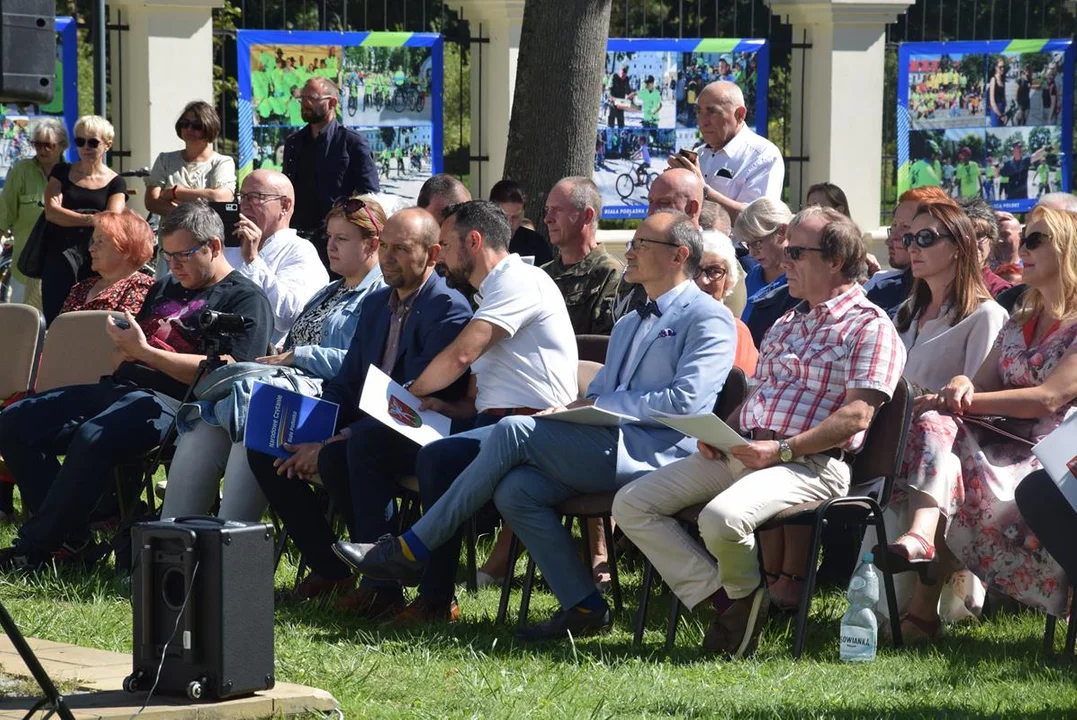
[(583, 194), (51, 127), (839, 238), (761, 218), (719, 243), (713, 216), (1058, 201), (684, 232), (197, 218)]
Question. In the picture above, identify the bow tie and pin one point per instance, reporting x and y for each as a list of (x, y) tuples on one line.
[(647, 309)]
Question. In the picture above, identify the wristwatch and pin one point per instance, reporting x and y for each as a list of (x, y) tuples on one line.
[(784, 451)]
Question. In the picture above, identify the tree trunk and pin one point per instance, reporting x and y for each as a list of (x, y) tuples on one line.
[(559, 77)]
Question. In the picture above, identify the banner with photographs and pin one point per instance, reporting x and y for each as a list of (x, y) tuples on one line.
[(647, 109), (16, 119), (990, 118), (390, 91)]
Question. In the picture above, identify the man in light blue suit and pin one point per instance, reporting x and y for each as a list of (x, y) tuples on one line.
[(670, 356)]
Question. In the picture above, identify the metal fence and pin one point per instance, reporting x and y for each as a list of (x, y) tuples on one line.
[(929, 20)]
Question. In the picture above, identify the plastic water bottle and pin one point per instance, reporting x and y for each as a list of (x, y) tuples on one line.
[(859, 627)]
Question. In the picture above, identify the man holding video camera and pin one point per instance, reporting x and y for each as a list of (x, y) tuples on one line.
[(157, 356)]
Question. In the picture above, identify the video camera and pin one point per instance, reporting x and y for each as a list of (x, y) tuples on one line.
[(211, 322)]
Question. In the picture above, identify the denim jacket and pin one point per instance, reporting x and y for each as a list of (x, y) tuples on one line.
[(325, 360)]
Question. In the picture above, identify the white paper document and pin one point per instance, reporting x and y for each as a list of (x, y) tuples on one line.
[(1058, 453), (392, 405), (709, 428), (591, 416)]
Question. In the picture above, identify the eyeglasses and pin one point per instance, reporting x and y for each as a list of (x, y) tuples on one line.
[(91, 143), (354, 205), (635, 244), (181, 256), (1031, 241), (39, 145), (924, 238), (713, 272), (795, 252), (256, 198), (195, 124)]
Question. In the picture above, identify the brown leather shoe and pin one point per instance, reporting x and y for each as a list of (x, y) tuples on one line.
[(319, 586), (370, 603), (423, 610)]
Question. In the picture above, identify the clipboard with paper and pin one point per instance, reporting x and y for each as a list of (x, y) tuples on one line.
[(707, 427)]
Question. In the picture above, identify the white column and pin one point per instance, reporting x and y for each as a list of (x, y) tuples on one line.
[(493, 82), (166, 61), (842, 96)]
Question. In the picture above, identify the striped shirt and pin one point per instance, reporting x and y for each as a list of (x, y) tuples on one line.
[(812, 357)]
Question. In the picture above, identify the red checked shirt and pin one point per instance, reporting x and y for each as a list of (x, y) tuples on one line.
[(810, 358)]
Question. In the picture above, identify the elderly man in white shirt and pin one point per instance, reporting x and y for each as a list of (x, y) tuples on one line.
[(736, 165), (271, 254)]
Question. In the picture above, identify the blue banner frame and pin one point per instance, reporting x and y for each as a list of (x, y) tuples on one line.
[(247, 39), (618, 205), (67, 34), (906, 122)]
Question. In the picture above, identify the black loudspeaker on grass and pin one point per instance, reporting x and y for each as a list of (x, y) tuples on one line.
[(27, 50), (203, 607)]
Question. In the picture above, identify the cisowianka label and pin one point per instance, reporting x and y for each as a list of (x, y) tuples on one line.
[(857, 644)]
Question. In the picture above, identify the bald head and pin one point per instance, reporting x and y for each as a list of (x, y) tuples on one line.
[(409, 250), (1058, 201), (720, 111), (677, 189), (267, 200), (415, 223)]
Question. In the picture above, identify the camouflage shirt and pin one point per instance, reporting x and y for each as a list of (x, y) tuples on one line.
[(588, 288)]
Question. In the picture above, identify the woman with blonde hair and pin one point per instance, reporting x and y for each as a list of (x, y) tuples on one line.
[(959, 477), (74, 195), (761, 227)]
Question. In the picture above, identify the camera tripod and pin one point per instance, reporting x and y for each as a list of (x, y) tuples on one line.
[(52, 700)]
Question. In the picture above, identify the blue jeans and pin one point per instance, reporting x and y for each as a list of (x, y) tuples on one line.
[(528, 466), (96, 427), (439, 467)]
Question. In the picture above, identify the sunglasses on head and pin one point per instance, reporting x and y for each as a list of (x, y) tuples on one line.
[(195, 124), (354, 205), (91, 143), (1031, 241), (924, 238)]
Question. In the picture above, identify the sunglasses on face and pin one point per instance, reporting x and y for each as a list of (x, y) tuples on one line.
[(795, 252), (924, 238), (354, 205), (91, 143), (1031, 241), (38, 145), (195, 124)]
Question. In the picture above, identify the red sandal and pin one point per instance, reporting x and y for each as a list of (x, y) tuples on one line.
[(899, 560)]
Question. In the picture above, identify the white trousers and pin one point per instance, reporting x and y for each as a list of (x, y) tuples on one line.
[(738, 501)]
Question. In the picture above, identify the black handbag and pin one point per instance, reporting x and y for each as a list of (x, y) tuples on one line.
[(31, 261)]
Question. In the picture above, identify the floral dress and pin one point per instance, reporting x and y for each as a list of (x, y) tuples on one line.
[(972, 473)]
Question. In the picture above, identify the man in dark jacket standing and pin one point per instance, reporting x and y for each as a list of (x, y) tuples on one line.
[(325, 162)]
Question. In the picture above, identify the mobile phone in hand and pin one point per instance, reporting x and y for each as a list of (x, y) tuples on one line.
[(122, 323), (689, 155)]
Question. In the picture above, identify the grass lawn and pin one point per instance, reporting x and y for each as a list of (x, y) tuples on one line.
[(475, 669)]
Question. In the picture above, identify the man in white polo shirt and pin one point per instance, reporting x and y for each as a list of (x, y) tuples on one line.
[(736, 165), (521, 349)]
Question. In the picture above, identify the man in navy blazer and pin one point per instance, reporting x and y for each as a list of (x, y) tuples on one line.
[(672, 355), (401, 328), (325, 161)]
